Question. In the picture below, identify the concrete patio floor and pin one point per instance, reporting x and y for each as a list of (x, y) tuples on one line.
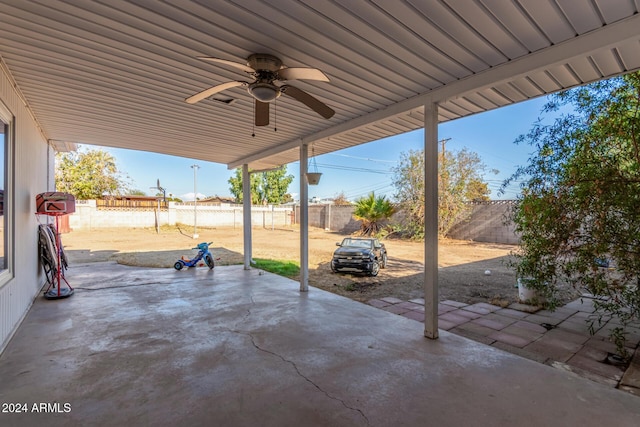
[(231, 347)]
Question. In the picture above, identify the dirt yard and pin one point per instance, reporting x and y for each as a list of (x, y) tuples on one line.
[(461, 275)]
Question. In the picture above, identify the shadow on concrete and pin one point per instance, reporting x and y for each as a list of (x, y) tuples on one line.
[(156, 259), (81, 256)]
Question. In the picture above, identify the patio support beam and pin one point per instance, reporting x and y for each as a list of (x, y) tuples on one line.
[(431, 220), (304, 219), (246, 216)]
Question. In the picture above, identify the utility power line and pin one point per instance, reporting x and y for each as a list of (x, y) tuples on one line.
[(364, 158), (351, 168)]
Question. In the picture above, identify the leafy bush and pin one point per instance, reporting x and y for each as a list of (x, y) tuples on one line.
[(578, 214)]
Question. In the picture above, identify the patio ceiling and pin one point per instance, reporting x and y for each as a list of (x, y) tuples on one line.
[(116, 73)]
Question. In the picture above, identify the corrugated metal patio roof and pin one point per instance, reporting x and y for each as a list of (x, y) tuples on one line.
[(117, 73)]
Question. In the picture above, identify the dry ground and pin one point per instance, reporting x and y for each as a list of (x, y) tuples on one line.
[(461, 275)]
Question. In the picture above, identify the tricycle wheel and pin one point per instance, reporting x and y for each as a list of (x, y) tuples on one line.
[(208, 259), (178, 265)]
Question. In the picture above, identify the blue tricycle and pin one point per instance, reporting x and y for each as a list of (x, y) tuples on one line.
[(203, 252)]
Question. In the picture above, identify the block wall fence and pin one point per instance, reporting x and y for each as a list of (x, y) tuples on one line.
[(486, 221)]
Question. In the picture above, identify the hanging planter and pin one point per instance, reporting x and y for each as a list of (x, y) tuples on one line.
[(313, 176)]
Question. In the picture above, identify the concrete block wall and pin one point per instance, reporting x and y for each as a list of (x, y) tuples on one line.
[(88, 217), (332, 217), (487, 222)]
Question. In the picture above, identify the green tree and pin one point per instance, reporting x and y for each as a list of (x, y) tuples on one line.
[(266, 187), (578, 213), (235, 183), (275, 185), (459, 181), (88, 174), (408, 180), (172, 198), (373, 212)]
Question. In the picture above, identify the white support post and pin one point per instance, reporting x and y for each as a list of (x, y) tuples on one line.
[(304, 219), (246, 216), (431, 221)]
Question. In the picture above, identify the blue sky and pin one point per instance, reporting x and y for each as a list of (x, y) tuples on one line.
[(359, 170)]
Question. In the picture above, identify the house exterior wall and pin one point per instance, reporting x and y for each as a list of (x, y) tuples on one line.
[(30, 173)]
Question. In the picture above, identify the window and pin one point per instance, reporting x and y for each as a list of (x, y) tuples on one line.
[(4, 132), (6, 136)]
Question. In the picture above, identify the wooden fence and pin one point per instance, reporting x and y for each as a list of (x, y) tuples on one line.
[(126, 204)]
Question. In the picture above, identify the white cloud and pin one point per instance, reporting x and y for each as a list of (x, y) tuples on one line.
[(188, 197)]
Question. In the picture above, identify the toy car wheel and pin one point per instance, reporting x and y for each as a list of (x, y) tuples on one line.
[(375, 268), (178, 265), (208, 259), (383, 264)]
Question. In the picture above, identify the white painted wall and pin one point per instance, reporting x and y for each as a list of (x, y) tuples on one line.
[(32, 173), (88, 217)]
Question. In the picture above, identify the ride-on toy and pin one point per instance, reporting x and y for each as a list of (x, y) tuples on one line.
[(203, 252)]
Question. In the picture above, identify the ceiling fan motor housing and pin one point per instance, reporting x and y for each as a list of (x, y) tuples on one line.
[(264, 61)]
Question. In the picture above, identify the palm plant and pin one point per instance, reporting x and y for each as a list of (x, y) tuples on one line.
[(373, 212)]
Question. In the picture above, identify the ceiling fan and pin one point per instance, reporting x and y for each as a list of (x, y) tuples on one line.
[(267, 70)]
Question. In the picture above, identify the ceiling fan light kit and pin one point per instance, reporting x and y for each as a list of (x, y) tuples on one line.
[(264, 92), (267, 69)]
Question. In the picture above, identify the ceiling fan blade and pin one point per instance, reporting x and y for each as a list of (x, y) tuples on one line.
[(212, 90), (242, 67), (262, 113), (308, 100), (302, 74)]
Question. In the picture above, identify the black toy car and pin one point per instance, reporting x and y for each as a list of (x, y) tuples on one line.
[(363, 255)]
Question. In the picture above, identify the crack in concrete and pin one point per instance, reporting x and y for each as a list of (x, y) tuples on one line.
[(305, 377), (248, 311), (295, 367)]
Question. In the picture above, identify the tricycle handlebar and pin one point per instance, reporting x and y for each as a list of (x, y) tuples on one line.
[(198, 247)]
